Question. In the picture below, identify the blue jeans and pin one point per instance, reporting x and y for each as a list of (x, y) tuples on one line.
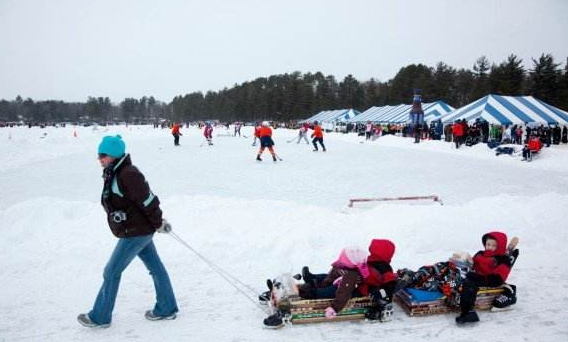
[(124, 252)]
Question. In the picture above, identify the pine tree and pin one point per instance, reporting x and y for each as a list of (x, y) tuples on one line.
[(544, 79), (481, 78), (507, 78)]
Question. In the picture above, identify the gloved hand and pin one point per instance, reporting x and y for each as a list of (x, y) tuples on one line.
[(166, 227), (330, 313)]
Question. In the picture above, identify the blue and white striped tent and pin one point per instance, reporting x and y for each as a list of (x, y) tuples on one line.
[(509, 110), (400, 113), (333, 116)]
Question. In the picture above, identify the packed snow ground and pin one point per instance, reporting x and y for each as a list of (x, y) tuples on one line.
[(257, 220)]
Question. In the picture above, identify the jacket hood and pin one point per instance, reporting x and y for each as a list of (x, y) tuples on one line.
[(381, 250), (353, 258), (501, 239)]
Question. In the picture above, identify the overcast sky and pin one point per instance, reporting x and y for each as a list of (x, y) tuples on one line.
[(71, 49)]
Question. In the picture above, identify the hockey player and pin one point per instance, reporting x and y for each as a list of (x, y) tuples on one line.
[(237, 129), (208, 132), (317, 136), (303, 132), (176, 133), (265, 136)]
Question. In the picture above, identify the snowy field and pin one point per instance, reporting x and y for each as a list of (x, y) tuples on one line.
[(257, 220)]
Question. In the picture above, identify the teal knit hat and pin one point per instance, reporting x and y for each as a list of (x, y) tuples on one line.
[(112, 146)]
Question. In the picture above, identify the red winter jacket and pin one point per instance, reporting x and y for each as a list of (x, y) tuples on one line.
[(457, 129), (487, 263), (535, 144), (380, 271)]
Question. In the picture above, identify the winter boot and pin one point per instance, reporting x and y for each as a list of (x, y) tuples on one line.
[(264, 298), (85, 321), (382, 312), (258, 157), (315, 149), (308, 277), (470, 317), (507, 298), (274, 158), (151, 316), (274, 321)]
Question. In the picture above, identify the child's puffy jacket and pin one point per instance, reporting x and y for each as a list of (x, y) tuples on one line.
[(494, 266), (535, 144), (380, 270)]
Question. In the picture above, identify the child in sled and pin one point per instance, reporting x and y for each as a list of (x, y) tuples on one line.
[(354, 274), (491, 268)]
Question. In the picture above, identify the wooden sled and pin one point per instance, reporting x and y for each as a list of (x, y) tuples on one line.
[(286, 300), (421, 303)]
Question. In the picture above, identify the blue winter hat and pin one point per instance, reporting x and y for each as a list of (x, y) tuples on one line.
[(112, 146)]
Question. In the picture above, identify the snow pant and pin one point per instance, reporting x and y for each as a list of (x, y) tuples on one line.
[(470, 287), (270, 149), (417, 135), (125, 251), (367, 135), (457, 140), (237, 131), (302, 135), (315, 141), (527, 154), (307, 291), (176, 139)]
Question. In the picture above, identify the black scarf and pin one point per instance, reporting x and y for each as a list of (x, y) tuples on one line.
[(108, 176)]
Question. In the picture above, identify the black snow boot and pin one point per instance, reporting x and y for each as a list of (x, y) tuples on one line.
[(274, 157), (274, 321), (308, 277), (381, 312), (264, 297), (507, 298), (258, 157), (470, 317)]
